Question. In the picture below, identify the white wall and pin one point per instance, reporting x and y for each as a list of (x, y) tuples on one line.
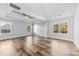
[(41, 29), (76, 26), (18, 29)]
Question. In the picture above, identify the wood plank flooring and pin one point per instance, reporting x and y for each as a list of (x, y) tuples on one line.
[(37, 46)]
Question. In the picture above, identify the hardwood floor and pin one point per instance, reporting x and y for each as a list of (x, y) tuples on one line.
[(37, 46)]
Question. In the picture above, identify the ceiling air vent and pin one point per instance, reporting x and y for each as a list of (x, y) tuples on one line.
[(14, 6)]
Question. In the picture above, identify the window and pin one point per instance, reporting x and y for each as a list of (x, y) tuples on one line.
[(56, 28), (5, 27)]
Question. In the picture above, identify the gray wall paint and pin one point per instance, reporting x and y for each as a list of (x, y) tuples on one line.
[(18, 29), (41, 29)]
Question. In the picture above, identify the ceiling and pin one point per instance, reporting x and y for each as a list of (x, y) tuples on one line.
[(43, 10), (49, 10)]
